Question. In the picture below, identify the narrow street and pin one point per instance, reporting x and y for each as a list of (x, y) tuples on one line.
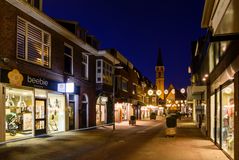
[(145, 141)]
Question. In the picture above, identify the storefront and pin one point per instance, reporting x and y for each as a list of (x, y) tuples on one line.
[(101, 110), (123, 111), (31, 106), (145, 112), (222, 108)]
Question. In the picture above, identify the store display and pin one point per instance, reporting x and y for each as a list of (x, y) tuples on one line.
[(18, 112), (55, 113), (27, 121), (227, 131)]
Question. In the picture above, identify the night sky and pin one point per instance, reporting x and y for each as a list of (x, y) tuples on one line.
[(137, 28)]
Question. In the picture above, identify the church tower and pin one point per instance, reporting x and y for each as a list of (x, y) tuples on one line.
[(160, 74)]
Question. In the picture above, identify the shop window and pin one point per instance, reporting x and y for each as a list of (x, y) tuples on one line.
[(216, 53), (101, 110), (18, 113), (33, 43), (212, 107), (56, 113), (68, 59), (85, 65), (227, 132), (218, 124)]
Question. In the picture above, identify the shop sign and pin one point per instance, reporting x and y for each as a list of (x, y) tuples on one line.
[(70, 87), (66, 87), (37, 81), (15, 78), (61, 87)]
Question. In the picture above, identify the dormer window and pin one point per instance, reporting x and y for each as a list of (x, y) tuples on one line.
[(35, 3)]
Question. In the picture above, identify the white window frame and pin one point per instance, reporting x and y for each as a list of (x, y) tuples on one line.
[(99, 75), (71, 56), (86, 76), (26, 44)]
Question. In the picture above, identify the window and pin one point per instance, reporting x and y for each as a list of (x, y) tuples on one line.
[(84, 111), (125, 84), (212, 103), (84, 69), (68, 59), (98, 71), (35, 3), (134, 88), (107, 73), (33, 43), (227, 123), (103, 72)]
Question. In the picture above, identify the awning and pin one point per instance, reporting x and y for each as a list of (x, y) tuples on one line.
[(196, 92)]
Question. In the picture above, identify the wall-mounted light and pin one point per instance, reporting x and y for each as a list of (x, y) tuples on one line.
[(5, 60)]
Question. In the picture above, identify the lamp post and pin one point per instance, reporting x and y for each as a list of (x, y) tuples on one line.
[(113, 94)]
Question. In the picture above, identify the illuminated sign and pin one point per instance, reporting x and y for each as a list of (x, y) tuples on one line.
[(70, 87), (66, 87)]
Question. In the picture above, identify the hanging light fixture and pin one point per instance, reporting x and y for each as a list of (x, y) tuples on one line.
[(9, 102), (21, 103)]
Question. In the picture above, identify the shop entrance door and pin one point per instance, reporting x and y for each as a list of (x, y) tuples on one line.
[(71, 115), (40, 117)]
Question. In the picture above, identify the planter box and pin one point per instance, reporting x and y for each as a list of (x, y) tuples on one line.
[(170, 132), (132, 122)]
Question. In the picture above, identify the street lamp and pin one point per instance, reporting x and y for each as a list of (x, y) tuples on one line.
[(113, 94)]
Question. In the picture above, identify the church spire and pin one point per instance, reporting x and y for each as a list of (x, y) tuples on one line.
[(159, 68), (160, 59)]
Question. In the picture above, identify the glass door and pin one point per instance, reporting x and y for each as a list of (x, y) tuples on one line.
[(40, 117), (71, 111)]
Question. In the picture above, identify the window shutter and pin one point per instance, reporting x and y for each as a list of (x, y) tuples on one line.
[(33, 43), (21, 38)]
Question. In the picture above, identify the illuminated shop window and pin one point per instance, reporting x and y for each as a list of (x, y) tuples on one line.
[(56, 113), (227, 132), (18, 113)]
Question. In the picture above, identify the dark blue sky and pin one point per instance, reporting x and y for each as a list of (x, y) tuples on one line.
[(137, 28)]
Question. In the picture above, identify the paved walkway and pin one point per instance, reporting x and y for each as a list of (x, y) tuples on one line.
[(188, 144), (145, 141)]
